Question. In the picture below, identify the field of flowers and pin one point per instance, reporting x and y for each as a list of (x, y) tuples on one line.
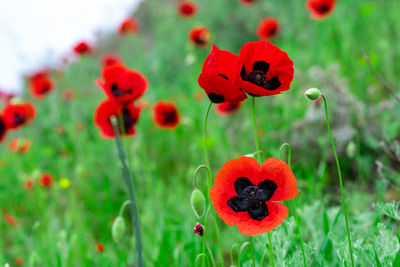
[(195, 135)]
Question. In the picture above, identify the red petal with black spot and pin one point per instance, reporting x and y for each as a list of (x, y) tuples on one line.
[(244, 193), (247, 2), (18, 115), (265, 69), (127, 114), (320, 9), (3, 129), (82, 48), (227, 108), (121, 83), (40, 84), (267, 29), (199, 36), (128, 26), (217, 77), (110, 59), (187, 9), (166, 115)]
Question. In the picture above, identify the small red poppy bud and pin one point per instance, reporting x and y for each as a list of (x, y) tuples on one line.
[(100, 247), (199, 229)]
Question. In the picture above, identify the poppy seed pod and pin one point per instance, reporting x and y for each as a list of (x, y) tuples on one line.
[(118, 229), (312, 94), (198, 202)]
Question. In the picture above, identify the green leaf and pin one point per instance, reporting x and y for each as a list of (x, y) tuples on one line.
[(378, 262)]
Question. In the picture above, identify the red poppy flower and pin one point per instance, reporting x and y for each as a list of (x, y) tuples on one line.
[(10, 220), (46, 180), (217, 77), (265, 69), (244, 193), (3, 129), (82, 48), (109, 59), (166, 115), (247, 2), (267, 29), (19, 261), (100, 247), (227, 108), (40, 84), (121, 83), (17, 115), (13, 146), (128, 114), (25, 146), (29, 183), (187, 9), (128, 26), (320, 9), (199, 36)]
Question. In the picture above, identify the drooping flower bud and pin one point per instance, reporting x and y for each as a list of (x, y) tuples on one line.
[(312, 94), (118, 229), (198, 229), (198, 202)]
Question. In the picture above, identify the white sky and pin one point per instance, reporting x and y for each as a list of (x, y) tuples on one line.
[(37, 33)]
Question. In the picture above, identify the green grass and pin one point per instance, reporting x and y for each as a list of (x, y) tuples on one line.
[(58, 227)]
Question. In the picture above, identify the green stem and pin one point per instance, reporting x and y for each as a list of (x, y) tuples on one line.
[(271, 255), (209, 252), (294, 203), (210, 185), (340, 181), (128, 183), (252, 251)]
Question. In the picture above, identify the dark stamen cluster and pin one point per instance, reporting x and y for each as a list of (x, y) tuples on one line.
[(258, 76)]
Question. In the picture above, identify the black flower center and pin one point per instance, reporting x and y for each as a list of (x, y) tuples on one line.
[(2, 127), (323, 8), (258, 76), (169, 116), (215, 98), (252, 198), (127, 119), (116, 91), (19, 119)]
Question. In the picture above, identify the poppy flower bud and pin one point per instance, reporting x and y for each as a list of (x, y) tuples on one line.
[(351, 149), (198, 202), (312, 94), (199, 229), (118, 229)]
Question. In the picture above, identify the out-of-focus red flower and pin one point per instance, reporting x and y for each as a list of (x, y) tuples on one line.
[(100, 247), (68, 95), (82, 48), (28, 185), (267, 29), (187, 9), (121, 83), (13, 146), (128, 114), (19, 261), (265, 69), (110, 59), (166, 115), (320, 9), (198, 95), (227, 108), (26, 145), (10, 220), (17, 115), (245, 194), (128, 26), (217, 77), (3, 128), (46, 180), (247, 2), (199, 36), (40, 84)]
